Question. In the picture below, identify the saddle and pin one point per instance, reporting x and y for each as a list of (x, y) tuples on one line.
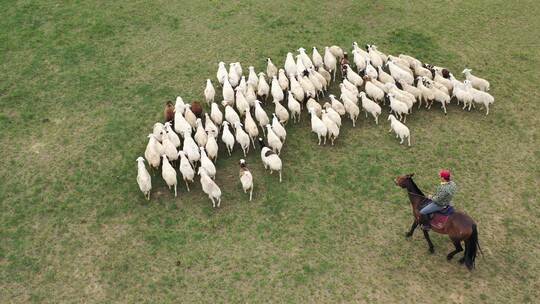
[(439, 218)]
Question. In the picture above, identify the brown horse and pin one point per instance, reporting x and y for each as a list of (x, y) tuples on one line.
[(459, 226)]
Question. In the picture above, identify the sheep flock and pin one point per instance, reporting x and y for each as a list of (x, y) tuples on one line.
[(185, 145)]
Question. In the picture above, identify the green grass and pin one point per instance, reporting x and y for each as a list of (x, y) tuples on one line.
[(82, 82)]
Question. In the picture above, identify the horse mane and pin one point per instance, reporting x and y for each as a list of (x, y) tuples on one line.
[(415, 188)]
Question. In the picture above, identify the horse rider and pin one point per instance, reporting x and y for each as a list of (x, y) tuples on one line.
[(440, 200)]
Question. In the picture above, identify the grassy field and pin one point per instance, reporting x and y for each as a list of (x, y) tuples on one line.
[(82, 82)]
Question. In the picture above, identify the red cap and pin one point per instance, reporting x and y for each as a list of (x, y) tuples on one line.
[(445, 174)]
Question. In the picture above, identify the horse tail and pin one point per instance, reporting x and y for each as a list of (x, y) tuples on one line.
[(471, 248)]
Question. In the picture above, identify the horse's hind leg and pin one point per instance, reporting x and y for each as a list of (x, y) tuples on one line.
[(413, 226), (426, 236), (457, 244)]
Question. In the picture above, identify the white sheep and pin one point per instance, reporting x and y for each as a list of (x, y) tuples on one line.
[(200, 134), (308, 87), (212, 147), (370, 107), (427, 94), (251, 128), (476, 82), (252, 80), (190, 117), (238, 69), (209, 92), (384, 57), (370, 71), (210, 188), (216, 114), (251, 96), (242, 105), (399, 107), (191, 149), (271, 69), (158, 130), (324, 73), (438, 95), (330, 61), (278, 128), (345, 92), (337, 51), (143, 178), (419, 70), (399, 74), (300, 67), (276, 91), (351, 87), (401, 95), (153, 151), (312, 104), (294, 107), (331, 126), (480, 97), (169, 174), (352, 109), (332, 114), (317, 58), (210, 127), (242, 86), (227, 137), (296, 89), (410, 60), (270, 159), (375, 57), (246, 178), (385, 77), (234, 78), (359, 60), (353, 77), (261, 116), (283, 80), (317, 126), (207, 164), (263, 89), (373, 91), (242, 138), (417, 93), (273, 140), (172, 135), (281, 112), (461, 93), (231, 116), (290, 66), (228, 91), (337, 105), (222, 73), (169, 149), (305, 58), (443, 84), (188, 174), (400, 129), (317, 84)]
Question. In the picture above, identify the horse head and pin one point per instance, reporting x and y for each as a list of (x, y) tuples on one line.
[(404, 180)]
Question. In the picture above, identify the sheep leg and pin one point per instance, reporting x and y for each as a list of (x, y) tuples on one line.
[(187, 186), (390, 130), (175, 190), (404, 118), (251, 193), (253, 142), (487, 109), (401, 142), (280, 176), (319, 137), (219, 201), (264, 133), (376, 119), (213, 203), (324, 140), (409, 140)]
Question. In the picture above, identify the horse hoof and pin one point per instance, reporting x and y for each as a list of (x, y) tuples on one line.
[(462, 260), (449, 257), (431, 250), (408, 235)]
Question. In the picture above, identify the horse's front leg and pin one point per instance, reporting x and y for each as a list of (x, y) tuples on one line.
[(426, 236), (413, 227), (457, 244)]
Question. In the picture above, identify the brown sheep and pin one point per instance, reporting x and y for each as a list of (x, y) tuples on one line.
[(168, 113), (197, 109)]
